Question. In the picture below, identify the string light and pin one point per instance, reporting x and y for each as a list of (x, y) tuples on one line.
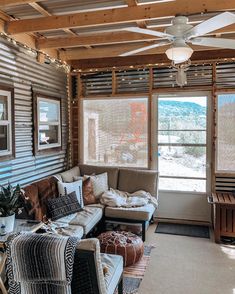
[(34, 52)]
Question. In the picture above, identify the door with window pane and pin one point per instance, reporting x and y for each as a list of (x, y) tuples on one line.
[(182, 140)]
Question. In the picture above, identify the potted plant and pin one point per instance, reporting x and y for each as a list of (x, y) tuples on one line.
[(11, 203)]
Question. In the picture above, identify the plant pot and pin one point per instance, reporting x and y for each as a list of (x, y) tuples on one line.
[(9, 222)]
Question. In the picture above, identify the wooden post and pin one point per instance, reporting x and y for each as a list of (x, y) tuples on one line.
[(213, 128)]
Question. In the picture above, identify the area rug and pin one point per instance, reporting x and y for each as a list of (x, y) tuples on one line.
[(133, 275), (183, 230)]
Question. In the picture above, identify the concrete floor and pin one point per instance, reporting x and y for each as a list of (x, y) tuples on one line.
[(187, 265)]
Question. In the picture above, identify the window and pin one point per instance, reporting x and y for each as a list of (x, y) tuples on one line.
[(6, 128), (48, 123), (115, 132), (182, 143), (225, 151)]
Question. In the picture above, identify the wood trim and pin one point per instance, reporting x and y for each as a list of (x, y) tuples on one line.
[(206, 56), (118, 15), (213, 128), (12, 155), (50, 150)]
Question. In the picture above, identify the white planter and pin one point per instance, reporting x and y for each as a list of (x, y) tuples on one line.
[(9, 222)]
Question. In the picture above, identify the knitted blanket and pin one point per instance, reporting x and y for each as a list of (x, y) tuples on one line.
[(39, 264)]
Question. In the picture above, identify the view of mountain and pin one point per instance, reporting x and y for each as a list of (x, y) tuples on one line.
[(178, 108)]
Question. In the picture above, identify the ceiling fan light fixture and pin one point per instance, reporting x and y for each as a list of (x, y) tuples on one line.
[(179, 52)]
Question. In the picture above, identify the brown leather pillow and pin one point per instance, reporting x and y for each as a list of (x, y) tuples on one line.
[(32, 205), (87, 192)]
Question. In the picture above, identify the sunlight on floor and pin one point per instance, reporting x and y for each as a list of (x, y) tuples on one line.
[(230, 252)]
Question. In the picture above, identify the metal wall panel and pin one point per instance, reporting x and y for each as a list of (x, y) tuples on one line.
[(225, 183), (26, 75)]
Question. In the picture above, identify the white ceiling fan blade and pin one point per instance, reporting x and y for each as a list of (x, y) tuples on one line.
[(214, 42), (145, 48), (148, 32), (215, 23)]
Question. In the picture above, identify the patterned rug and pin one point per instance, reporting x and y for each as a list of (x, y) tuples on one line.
[(134, 274)]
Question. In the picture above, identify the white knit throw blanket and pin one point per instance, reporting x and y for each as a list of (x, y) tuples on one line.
[(39, 264), (116, 198)]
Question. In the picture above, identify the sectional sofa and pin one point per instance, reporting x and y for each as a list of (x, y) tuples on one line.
[(81, 223)]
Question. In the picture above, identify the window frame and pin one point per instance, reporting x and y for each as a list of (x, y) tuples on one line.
[(10, 122), (220, 171), (36, 113), (108, 98)]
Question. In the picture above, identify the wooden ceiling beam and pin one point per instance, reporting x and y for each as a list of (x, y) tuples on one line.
[(93, 40), (112, 51), (154, 59), (106, 38), (5, 3), (118, 15)]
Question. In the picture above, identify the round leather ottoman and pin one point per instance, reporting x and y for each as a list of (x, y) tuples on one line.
[(126, 244)]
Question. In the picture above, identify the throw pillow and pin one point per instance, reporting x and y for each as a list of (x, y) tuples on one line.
[(62, 206), (87, 190), (66, 188), (99, 183)]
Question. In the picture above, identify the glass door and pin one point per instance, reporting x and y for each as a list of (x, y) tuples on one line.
[(181, 143)]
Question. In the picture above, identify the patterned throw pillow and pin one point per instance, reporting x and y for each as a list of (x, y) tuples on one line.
[(99, 183), (62, 206), (66, 188)]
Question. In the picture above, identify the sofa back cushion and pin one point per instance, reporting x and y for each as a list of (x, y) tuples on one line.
[(92, 169), (132, 180), (68, 176)]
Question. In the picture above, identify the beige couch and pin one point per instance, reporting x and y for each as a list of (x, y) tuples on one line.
[(129, 180)]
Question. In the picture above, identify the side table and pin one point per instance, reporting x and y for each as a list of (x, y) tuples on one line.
[(223, 214), (20, 226)]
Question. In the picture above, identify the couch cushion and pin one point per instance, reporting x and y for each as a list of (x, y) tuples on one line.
[(47, 188), (68, 175), (92, 169), (32, 205), (131, 180), (70, 230), (135, 213), (114, 264), (87, 218)]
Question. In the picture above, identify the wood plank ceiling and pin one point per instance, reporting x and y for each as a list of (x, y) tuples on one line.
[(91, 32)]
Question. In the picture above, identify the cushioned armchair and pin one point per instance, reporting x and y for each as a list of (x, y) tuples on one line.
[(94, 272)]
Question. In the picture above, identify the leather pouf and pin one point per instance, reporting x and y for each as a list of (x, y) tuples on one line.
[(126, 244)]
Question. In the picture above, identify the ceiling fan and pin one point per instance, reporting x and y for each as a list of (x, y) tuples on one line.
[(181, 32)]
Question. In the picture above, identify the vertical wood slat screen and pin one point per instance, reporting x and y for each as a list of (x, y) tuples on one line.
[(24, 73)]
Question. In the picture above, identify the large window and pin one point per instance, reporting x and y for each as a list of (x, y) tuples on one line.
[(48, 123), (182, 143), (6, 128), (225, 152), (115, 132)]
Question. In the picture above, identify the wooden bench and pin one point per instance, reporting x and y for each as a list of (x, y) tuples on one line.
[(223, 214)]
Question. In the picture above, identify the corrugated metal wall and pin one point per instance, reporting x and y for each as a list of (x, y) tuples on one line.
[(25, 74)]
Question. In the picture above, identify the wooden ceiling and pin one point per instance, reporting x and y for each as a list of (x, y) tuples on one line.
[(85, 32)]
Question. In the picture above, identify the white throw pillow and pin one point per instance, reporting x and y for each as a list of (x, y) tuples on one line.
[(72, 187), (99, 183)]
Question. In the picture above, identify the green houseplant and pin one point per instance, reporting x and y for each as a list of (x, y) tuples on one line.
[(11, 203)]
